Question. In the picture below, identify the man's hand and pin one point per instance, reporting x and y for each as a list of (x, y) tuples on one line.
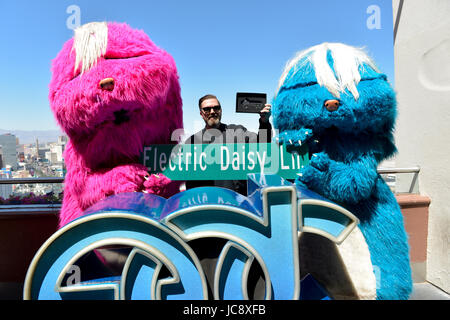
[(265, 113)]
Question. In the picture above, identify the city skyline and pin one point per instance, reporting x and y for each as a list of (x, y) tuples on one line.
[(34, 160)]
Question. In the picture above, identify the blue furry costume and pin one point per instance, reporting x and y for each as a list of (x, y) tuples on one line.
[(334, 98)]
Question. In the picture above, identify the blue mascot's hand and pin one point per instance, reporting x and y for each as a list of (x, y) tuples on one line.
[(347, 182), (321, 161), (294, 137), (315, 175)]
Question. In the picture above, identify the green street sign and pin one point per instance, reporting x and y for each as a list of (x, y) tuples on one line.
[(224, 161)]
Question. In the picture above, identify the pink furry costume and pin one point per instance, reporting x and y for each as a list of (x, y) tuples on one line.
[(112, 91)]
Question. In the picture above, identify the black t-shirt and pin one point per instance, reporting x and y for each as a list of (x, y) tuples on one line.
[(231, 133)]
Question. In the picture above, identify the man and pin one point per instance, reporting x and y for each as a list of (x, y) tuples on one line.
[(207, 250), (217, 132)]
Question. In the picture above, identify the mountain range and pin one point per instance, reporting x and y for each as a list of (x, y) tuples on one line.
[(26, 137)]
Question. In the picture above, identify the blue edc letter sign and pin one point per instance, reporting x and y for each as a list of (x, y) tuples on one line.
[(160, 263)]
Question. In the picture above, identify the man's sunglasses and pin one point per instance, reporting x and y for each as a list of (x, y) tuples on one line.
[(208, 109)]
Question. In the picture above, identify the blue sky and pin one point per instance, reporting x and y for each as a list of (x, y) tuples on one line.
[(220, 47)]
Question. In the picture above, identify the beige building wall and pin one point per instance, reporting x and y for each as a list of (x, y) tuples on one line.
[(422, 82)]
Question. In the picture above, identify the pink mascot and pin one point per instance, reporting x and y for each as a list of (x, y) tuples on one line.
[(113, 91)]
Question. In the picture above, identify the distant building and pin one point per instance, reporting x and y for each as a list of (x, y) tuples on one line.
[(59, 150), (29, 151), (9, 156), (42, 151), (52, 157), (62, 140), (20, 148), (55, 150), (37, 148), (5, 189)]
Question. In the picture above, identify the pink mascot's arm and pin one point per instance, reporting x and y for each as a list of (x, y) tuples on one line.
[(83, 188)]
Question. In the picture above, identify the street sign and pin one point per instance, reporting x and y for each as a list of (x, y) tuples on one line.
[(224, 161)]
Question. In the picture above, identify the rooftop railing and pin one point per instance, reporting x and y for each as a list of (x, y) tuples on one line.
[(399, 170), (32, 180), (380, 170), (413, 187), (23, 203), (387, 173)]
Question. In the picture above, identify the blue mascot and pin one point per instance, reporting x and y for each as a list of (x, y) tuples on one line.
[(333, 97)]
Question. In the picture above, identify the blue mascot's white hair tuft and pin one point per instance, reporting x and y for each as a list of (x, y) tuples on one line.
[(346, 63)]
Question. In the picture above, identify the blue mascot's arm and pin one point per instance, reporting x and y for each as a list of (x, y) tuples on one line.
[(348, 182)]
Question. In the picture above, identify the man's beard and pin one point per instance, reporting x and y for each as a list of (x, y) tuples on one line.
[(213, 122)]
